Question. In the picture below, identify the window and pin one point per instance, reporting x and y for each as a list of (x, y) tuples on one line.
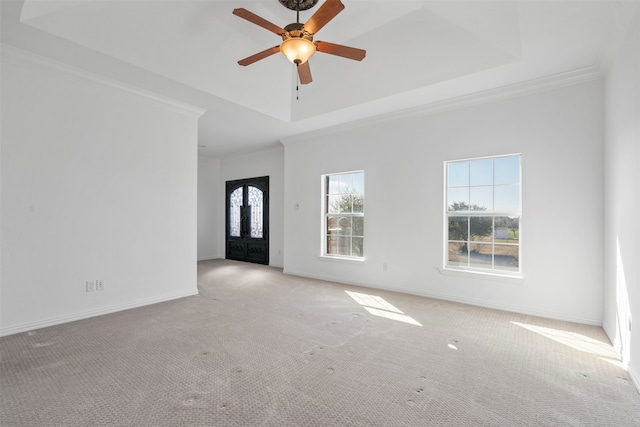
[(483, 210), (343, 214)]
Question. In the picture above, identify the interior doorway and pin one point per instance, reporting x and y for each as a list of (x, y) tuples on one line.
[(247, 220)]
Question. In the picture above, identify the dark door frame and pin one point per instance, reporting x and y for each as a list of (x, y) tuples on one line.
[(245, 247)]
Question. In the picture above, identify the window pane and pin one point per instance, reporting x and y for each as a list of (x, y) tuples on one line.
[(358, 182), (507, 229), (481, 228), (458, 174), (339, 203), (481, 198), (357, 226), (346, 183), (357, 246), (507, 198), (458, 228), (255, 201), (481, 172), (332, 244), (344, 226), (345, 203), (358, 203), (344, 245), (458, 199), (507, 257), (332, 225), (235, 202), (333, 203), (480, 255), (334, 184), (507, 170), (457, 255)]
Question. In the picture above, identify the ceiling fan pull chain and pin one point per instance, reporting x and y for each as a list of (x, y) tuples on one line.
[(297, 81)]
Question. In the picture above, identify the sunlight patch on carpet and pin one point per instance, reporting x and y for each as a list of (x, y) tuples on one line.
[(380, 307), (574, 340)]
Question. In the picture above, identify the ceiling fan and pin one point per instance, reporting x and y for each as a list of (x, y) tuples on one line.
[(297, 39)]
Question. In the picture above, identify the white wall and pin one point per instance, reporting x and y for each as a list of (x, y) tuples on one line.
[(98, 182), (560, 135), (622, 202), (263, 163), (210, 213)]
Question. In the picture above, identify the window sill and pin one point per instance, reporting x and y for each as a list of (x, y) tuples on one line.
[(346, 260), (469, 274)]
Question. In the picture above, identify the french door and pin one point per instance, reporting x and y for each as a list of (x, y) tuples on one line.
[(247, 220)]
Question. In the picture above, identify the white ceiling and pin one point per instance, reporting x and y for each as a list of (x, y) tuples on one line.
[(418, 52)]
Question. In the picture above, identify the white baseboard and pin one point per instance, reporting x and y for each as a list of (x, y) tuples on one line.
[(635, 379), (207, 257), (38, 324), (275, 265), (454, 298)]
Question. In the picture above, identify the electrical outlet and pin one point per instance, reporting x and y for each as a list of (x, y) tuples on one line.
[(90, 285), (99, 285)]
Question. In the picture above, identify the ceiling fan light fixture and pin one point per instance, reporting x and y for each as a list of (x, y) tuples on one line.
[(297, 38), (297, 49)]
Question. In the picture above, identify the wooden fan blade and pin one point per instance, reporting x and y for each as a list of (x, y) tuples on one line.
[(258, 56), (326, 13), (304, 72), (340, 50), (252, 17)]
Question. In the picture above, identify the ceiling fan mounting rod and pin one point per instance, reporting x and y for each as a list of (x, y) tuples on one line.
[(298, 4), (296, 30)]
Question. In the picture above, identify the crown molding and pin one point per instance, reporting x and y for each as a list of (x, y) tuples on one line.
[(41, 64), (543, 84)]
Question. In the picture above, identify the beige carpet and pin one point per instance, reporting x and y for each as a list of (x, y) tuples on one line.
[(258, 348)]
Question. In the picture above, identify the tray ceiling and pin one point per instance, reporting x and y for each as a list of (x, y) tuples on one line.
[(417, 52)]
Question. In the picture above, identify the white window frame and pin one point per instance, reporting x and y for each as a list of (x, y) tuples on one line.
[(326, 215), (470, 214)]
